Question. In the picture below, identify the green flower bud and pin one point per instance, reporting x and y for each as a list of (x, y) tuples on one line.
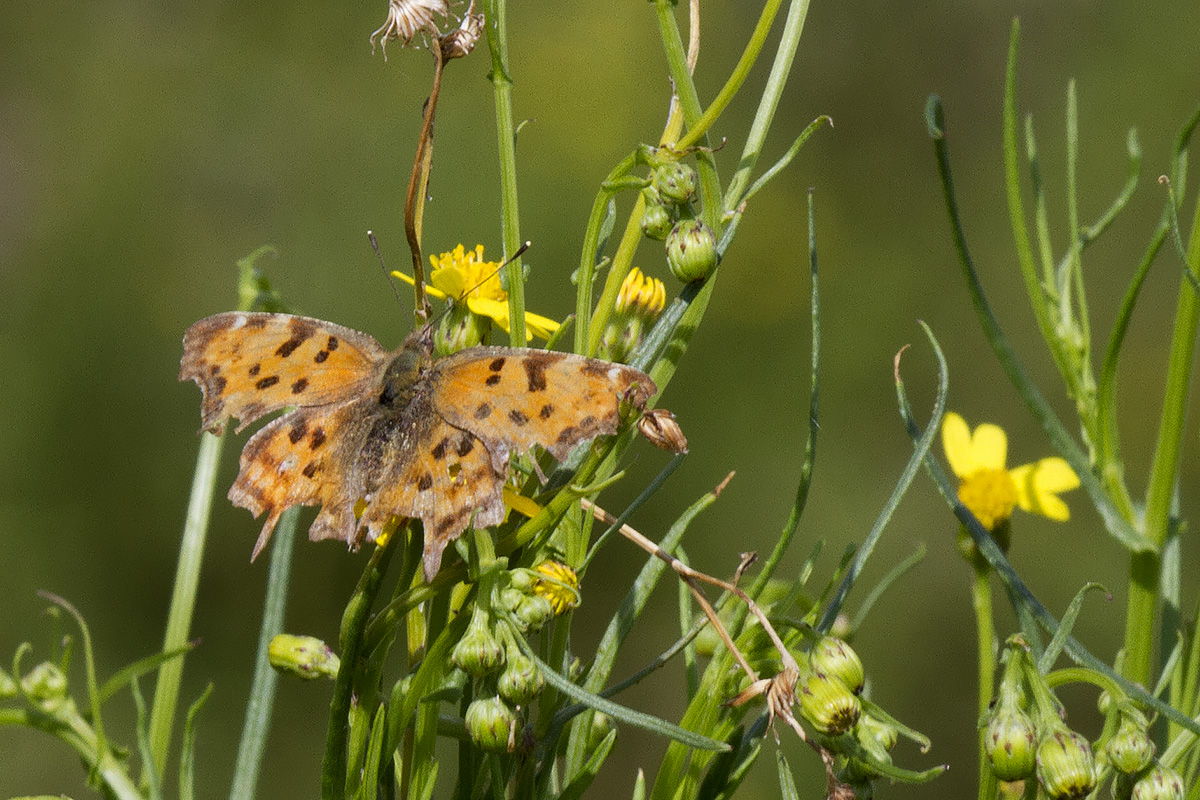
[(533, 612), (1130, 749), (656, 221), (876, 734), (523, 580), (510, 598), (691, 250), (675, 182), (1064, 765), (832, 656), (305, 656), (477, 652), (521, 680), (1160, 783), (458, 330), (46, 684), (827, 703), (1011, 743), (491, 724)]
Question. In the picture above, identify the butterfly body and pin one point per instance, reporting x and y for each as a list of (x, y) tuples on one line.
[(391, 433)]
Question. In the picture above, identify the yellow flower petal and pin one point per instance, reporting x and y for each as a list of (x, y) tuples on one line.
[(1038, 485), (956, 441), (989, 447), (496, 310), (541, 327), (432, 291)]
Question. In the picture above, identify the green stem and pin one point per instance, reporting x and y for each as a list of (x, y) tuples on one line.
[(506, 141), (262, 687), (1144, 568), (785, 54), (985, 638), (354, 623), (183, 596)]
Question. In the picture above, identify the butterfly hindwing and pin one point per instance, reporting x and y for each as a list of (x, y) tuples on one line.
[(513, 398), (250, 364)]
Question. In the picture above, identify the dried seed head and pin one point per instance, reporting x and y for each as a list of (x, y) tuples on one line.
[(407, 18), (660, 428), (462, 40)]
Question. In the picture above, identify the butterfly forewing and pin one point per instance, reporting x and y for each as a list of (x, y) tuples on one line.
[(250, 364), (513, 398)]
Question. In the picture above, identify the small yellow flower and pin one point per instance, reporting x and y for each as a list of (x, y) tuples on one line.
[(642, 295), (559, 584), (990, 490), (463, 276)]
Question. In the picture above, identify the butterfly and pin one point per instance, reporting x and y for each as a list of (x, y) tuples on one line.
[(402, 432)]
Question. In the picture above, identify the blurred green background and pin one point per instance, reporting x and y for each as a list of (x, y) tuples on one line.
[(144, 147)]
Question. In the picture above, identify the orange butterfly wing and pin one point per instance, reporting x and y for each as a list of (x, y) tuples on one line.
[(250, 364), (514, 398)]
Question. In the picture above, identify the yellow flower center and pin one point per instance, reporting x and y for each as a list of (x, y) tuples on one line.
[(990, 494), (460, 272), (559, 584)]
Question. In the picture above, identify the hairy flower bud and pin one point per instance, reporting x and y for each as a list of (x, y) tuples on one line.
[(477, 652), (1065, 767), (459, 329), (521, 680), (1011, 743), (656, 221), (305, 656), (827, 703), (491, 724), (1130, 749), (533, 612), (1160, 783), (691, 250), (675, 182), (46, 684), (833, 656)]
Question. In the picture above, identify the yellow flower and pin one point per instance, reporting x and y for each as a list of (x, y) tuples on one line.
[(559, 584), (642, 295), (990, 490), (462, 276)]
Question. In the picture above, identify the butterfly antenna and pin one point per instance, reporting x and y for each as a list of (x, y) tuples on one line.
[(387, 274)]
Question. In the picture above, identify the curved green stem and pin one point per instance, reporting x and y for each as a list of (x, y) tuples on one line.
[(985, 639)]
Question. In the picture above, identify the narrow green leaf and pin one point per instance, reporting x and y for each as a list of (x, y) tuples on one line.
[(368, 789), (583, 779), (1059, 639), (137, 669), (787, 784), (619, 712), (187, 748), (150, 774)]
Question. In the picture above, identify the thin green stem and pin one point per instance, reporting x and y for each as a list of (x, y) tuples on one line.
[(183, 596), (1144, 567), (785, 54), (737, 77), (985, 639), (262, 686), (506, 142)]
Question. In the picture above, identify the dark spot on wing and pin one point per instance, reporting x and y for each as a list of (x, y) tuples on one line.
[(465, 445), (535, 371), (484, 411), (455, 520), (299, 386), (318, 438), (492, 380), (332, 344), (497, 364), (215, 369), (439, 450), (594, 366), (546, 411), (587, 423), (569, 434), (321, 356), (518, 417), (256, 322), (424, 482), (298, 430), (268, 382), (255, 370), (310, 469), (218, 384), (289, 347)]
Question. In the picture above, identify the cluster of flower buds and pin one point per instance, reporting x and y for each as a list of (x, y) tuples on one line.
[(506, 678), (639, 303), (1027, 737), (669, 215)]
